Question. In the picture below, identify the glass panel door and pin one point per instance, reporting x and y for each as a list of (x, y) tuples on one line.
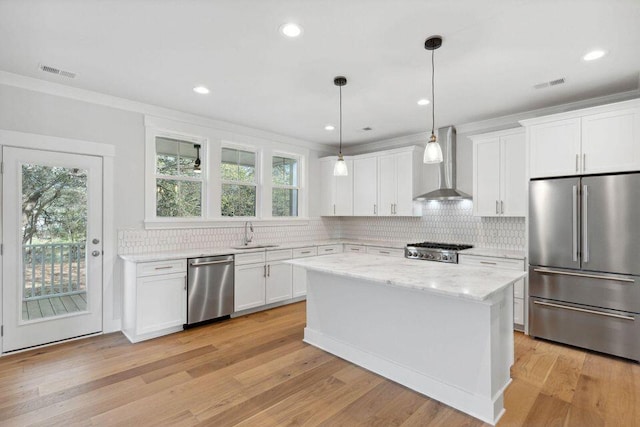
[(52, 271)]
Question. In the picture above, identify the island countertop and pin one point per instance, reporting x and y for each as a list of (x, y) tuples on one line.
[(455, 280)]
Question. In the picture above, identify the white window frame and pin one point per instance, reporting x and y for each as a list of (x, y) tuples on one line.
[(297, 187), (151, 175), (258, 178)]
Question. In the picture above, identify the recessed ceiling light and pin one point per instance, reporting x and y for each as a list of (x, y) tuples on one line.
[(423, 101), (202, 90), (291, 30), (594, 54), (329, 127)]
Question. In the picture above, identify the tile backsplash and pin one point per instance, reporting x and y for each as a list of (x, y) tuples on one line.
[(448, 222)]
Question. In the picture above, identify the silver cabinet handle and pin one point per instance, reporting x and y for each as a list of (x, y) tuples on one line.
[(202, 264), (375, 209), (384, 252), (577, 162), (585, 223), (269, 270), (334, 209), (584, 162), (164, 268), (584, 310), (501, 207), (590, 276), (574, 248), (264, 272), (395, 209), (305, 252), (488, 263), (497, 208)]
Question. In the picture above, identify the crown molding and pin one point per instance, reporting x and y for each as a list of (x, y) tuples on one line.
[(92, 97)]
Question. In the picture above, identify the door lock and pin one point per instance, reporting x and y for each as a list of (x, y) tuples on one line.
[(95, 253), (95, 241)]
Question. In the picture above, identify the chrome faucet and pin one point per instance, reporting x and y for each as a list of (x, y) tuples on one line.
[(247, 238)]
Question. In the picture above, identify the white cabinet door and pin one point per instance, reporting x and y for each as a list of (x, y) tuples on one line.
[(387, 185), (611, 141), (344, 192), (365, 173), (327, 188), (299, 286), (404, 184), (161, 302), (554, 148), (513, 182), (486, 180), (249, 286), (279, 282)]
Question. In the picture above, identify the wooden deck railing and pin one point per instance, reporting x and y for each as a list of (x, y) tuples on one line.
[(53, 269)]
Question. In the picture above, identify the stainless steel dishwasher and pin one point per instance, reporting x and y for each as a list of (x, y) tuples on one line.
[(209, 288)]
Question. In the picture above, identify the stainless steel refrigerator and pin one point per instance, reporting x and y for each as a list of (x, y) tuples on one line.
[(584, 262)]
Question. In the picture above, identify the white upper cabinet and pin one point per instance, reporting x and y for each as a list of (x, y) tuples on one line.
[(336, 192), (499, 177), (365, 185), (383, 184), (594, 140)]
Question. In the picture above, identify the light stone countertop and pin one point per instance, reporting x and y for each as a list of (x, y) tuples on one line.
[(203, 252), (496, 253), (455, 280)]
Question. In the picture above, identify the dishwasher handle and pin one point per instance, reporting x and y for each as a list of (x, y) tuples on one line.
[(202, 264)]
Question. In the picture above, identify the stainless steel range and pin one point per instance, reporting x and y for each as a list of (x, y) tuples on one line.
[(430, 251)]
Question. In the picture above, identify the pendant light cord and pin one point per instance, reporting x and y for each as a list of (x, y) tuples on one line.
[(340, 120), (433, 96)]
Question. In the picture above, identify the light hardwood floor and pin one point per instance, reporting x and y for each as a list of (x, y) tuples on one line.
[(256, 371)]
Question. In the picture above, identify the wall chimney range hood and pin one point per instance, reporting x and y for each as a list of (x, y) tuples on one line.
[(447, 189)]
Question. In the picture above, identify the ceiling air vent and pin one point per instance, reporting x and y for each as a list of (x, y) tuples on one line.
[(555, 82), (54, 70)]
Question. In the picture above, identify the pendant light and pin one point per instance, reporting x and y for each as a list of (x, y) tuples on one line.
[(196, 163), (433, 152), (340, 168)]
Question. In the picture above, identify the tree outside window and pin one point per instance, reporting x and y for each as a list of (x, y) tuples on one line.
[(284, 196), (178, 185), (239, 190)]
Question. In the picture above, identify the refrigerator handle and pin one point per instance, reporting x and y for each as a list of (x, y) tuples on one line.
[(585, 223), (574, 223)]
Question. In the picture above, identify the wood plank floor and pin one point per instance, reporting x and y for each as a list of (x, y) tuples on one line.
[(256, 371), (54, 306)]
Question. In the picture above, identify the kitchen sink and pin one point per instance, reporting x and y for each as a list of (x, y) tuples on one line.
[(254, 246)]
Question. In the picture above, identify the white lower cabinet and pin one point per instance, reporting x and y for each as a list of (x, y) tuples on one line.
[(299, 274), (279, 276), (249, 289), (155, 298), (518, 287)]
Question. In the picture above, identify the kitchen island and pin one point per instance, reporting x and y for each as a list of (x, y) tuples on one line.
[(444, 330)]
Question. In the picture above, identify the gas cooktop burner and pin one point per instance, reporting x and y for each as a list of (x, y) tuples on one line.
[(432, 251), (443, 246)]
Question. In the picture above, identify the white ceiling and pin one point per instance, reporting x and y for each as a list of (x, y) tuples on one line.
[(494, 51)]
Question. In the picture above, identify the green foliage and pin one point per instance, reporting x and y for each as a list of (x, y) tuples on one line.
[(284, 202), (54, 204), (178, 198)]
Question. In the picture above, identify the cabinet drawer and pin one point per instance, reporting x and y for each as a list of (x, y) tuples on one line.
[(279, 254), (329, 249), (305, 252), (487, 261), (161, 267), (355, 249), (250, 258), (385, 251)]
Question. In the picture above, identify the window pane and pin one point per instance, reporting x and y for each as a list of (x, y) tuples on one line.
[(284, 202), (238, 165), (284, 171), (238, 200), (178, 198), (174, 157)]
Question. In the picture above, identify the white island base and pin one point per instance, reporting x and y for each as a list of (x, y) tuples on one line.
[(455, 350)]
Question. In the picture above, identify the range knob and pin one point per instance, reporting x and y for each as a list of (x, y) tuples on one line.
[(445, 257), (414, 254)]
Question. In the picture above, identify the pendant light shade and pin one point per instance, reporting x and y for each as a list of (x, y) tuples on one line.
[(433, 151), (340, 168), (196, 163)]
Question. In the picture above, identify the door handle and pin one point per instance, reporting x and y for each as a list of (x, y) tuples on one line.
[(574, 247), (585, 223), (590, 276), (95, 253), (584, 310), (95, 241)]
